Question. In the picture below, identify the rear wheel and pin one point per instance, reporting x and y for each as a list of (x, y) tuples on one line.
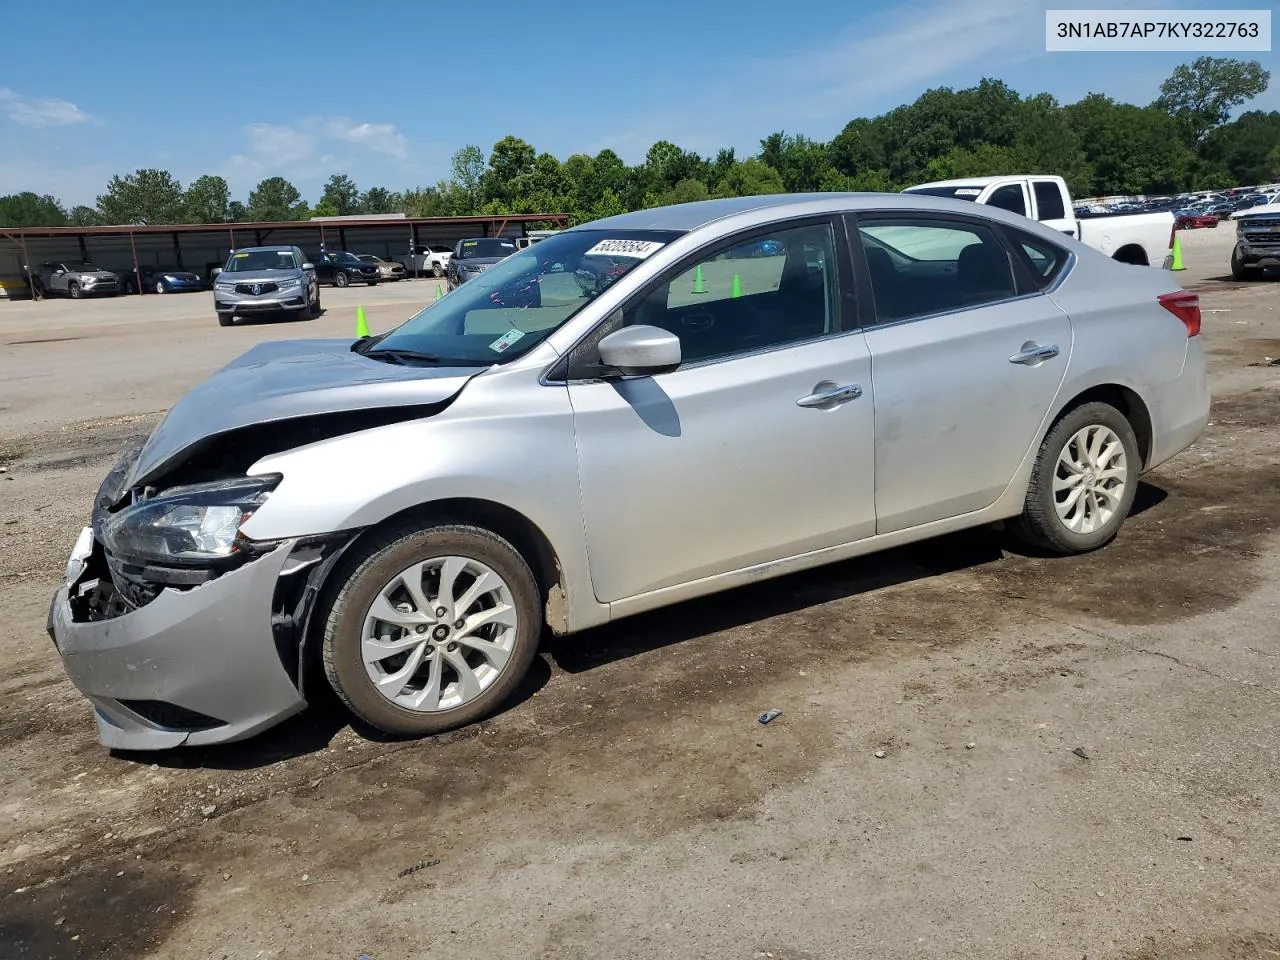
[(340, 279), (437, 270), (433, 628), (1083, 483)]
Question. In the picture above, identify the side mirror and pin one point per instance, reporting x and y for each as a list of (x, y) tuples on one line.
[(308, 266), (640, 351), (215, 271)]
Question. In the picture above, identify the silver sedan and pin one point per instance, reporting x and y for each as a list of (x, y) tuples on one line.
[(631, 413)]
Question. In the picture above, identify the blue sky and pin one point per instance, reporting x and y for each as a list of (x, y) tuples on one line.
[(386, 93)]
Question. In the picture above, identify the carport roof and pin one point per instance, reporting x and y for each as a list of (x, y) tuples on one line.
[(499, 220)]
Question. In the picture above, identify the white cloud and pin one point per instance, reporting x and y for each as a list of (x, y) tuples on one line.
[(40, 111), (309, 148)]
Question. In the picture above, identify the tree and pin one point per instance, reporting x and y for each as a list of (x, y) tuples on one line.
[(511, 159), (750, 178), (206, 200), (27, 209), (324, 208), (1243, 148), (82, 216), (342, 195), (275, 198), (686, 191), (1201, 96), (802, 163), (378, 200), (237, 212), (145, 196), (467, 167), (1133, 150)]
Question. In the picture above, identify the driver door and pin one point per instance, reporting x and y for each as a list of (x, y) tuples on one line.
[(736, 458)]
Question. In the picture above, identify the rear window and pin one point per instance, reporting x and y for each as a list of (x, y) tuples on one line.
[(1048, 200)]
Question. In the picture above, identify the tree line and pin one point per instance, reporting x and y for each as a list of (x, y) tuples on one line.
[(1182, 141)]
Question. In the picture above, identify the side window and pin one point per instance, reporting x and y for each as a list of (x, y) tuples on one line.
[(1045, 259), (923, 267), (768, 291), (1009, 197), (1048, 200)]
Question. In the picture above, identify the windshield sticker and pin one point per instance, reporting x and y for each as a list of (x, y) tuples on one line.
[(240, 256), (507, 339), (968, 192), (469, 243), (637, 249)]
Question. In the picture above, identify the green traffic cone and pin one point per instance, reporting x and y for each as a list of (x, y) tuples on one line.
[(1177, 253), (438, 294), (362, 325), (737, 286), (698, 285)]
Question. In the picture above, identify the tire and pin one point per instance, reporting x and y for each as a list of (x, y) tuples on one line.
[(437, 271), (1239, 271), (373, 283), (376, 571), (312, 309), (340, 279), (226, 319), (160, 286), (73, 290), (1042, 523)]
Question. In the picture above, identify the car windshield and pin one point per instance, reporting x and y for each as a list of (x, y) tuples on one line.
[(247, 261), (961, 192), (343, 256), (507, 310), (84, 266), (487, 247)]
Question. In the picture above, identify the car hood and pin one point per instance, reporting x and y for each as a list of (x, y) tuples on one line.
[(258, 276), (286, 380), (96, 274), (1267, 210), (479, 261)]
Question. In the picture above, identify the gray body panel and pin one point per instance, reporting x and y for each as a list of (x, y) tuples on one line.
[(656, 489)]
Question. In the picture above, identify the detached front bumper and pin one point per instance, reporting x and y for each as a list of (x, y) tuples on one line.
[(195, 666)]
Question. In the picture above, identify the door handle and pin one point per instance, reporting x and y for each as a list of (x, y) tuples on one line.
[(830, 396), (1032, 353)]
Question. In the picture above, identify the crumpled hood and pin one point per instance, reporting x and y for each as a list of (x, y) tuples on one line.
[(284, 380)]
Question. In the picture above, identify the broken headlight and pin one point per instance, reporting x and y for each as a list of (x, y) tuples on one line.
[(190, 525)]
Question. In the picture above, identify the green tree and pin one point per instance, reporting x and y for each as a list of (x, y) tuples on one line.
[(467, 167), (237, 212), (378, 200), (686, 191), (511, 159), (206, 200), (750, 178), (1201, 96), (1132, 150), (802, 163), (28, 209), (1244, 147), (609, 205), (275, 199), (82, 216), (324, 208), (342, 195), (145, 196)]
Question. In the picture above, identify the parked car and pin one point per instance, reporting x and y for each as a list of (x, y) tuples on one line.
[(387, 269), (161, 280), (432, 258), (412, 509), (342, 269), (1143, 239), (474, 256), (258, 280), (1257, 242), (1192, 219), (76, 279)]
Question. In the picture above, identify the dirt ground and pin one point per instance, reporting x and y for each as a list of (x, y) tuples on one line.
[(1080, 757)]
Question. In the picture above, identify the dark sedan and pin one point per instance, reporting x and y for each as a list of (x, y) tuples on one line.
[(161, 280), (342, 269), (472, 257)]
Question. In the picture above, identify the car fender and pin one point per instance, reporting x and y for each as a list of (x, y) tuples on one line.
[(512, 446)]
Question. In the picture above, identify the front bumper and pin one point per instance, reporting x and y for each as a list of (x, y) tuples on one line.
[(1258, 254), (233, 302), (196, 666)]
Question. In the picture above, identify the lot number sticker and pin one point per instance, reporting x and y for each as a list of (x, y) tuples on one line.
[(639, 249), (506, 340)]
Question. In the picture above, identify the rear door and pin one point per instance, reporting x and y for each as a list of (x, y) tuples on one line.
[(1011, 196), (967, 355), (1051, 207)]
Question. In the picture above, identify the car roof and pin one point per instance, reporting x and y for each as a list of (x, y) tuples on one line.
[(685, 217), (982, 181), (277, 248)]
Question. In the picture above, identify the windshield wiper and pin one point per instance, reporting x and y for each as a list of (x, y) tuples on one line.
[(403, 356)]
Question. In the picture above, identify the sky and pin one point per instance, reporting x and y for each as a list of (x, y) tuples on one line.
[(387, 92)]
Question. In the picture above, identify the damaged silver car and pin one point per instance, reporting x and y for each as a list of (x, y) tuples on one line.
[(754, 386)]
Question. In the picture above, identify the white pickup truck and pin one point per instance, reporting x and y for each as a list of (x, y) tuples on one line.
[(1144, 239)]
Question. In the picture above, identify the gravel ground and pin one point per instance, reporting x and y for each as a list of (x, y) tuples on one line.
[(980, 753)]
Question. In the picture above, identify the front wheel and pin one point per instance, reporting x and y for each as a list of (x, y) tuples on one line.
[(432, 628), (73, 289), (226, 319), (340, 279), (1239, 271), (1083, 483), (373, 283), (159, 286)]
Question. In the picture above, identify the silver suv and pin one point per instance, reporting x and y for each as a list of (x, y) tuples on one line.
[(266, 280), (76, 279)]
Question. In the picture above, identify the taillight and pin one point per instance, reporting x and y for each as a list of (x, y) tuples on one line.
[(1185, 306)]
